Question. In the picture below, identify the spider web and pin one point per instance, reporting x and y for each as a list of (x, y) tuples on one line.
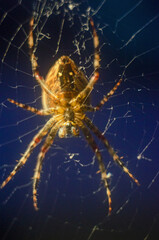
[(71, 197)]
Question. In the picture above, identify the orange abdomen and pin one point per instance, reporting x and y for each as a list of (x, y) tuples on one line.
[(65, 81)]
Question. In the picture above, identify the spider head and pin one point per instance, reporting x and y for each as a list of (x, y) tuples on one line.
[(68, 130)]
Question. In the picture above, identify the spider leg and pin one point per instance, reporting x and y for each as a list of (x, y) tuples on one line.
[(34, 63), (111, 151), (87, 90), (98, 155), (26, 107), (47, 144), (104, 100), (36, 140), (32, 109), (106, 97)]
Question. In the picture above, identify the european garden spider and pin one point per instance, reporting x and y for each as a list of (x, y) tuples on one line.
[(65, 97)]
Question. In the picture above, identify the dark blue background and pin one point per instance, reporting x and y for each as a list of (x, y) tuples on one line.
[(72, 201)]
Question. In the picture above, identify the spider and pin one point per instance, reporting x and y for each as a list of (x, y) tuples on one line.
[(66, 98)]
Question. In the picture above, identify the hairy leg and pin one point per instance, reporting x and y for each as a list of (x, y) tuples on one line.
[(104, 100), (32, 109), (34, 63), (106, 97), (47, 144), (98, 155), (36, 140), (111, 151), (87, 90)]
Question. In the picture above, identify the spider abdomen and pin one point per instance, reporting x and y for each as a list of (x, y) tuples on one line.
[(65, 81)]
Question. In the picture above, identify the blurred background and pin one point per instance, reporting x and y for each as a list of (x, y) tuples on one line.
[(71, 198)]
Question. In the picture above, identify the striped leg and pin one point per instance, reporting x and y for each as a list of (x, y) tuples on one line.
[(111, 151), (34, 63), (26, 107), (87, 90), (106, 98), (32, 109), (36, 140), (48, 142), (98, 155)]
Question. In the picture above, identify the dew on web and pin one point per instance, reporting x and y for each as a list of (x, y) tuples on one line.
[(71, 197)]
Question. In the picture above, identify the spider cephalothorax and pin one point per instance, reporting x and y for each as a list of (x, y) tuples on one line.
[(66, 98)]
